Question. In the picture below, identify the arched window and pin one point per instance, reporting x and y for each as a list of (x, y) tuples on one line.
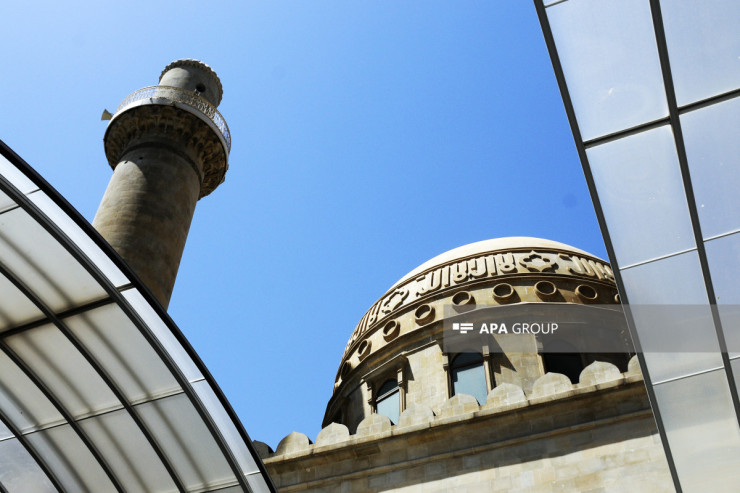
[(468, 376), (388, 401), (561, 357)]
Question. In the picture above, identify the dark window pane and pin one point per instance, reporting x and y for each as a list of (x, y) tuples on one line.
[(468, 376)]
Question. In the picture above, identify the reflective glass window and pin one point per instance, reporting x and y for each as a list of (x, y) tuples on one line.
[(641, 192), (723, 255), (114, 341), (703, 46), (163, 334), (16, 309), (70, 460), (713, 151), (702, 431), (6, 202), (186, 441), (20, 181), (257, 483), (669, 305), (388, 401), (127, 451), (610, 60), (79, 238), (226, 426), (22, 402), (19, 471), (44, 265), (468, 376), (54, 360)]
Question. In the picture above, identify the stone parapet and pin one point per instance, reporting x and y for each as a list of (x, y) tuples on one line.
[(606, 428)]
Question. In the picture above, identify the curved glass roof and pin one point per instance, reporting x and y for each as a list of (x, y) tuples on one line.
[(99, 390)]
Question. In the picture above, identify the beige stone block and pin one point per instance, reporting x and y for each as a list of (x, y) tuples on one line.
[(293, 443), (505, 395), (416, 414), (373, 425), (551, 384), (599, 372), (457, 405), (633, 367), (334, 433)]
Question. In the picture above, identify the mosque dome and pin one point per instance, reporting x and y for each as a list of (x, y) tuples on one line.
[(401, 333)]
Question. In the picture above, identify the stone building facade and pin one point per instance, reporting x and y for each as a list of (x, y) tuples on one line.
[(409, 414)]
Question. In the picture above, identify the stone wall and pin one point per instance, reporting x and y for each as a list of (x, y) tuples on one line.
[(598, 435)]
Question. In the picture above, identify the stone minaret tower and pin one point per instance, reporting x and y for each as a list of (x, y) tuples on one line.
[(168, 147)]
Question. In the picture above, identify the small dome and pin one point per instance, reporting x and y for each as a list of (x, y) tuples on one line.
[(489, 261), (495, 244), (193, 75), (402, 333)]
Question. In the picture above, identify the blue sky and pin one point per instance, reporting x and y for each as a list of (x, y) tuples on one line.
[(367, 137)]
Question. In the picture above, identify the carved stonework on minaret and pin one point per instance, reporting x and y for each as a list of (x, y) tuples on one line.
[(168, 146)]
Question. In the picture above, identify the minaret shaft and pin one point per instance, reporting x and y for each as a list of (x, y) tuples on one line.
[(168, 146), (146, 213)]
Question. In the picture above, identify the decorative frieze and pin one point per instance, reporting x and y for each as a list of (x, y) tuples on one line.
[(480, 267)]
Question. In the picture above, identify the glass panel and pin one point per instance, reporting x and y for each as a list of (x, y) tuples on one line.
[(229, 489), (186, 442), (163, 334), (703, 46), (6, 203), (735, 365), (44, 265), (79, 238), (62, 368), (226, 427), (127, 452), (390, 406), (641, 192), (19, 471), (70, 460), (468, 376), (390, 385), (15, 308), (16, 178), (610, 61), (713, 151), (21, 401), (119, 346), (5, 433), (257, 483), (702, 431), (471, 381), (661, 293), (723, 255)]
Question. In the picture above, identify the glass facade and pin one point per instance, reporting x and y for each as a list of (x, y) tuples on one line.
[(99, 391), (652, 92)]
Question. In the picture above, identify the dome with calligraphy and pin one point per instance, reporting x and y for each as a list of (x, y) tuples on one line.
[(503, 271)]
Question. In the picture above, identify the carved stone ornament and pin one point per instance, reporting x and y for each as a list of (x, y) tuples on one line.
[(534, 262)]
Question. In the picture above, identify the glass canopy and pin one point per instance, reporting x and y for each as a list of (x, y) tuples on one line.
[(99, 390), (652, 92)]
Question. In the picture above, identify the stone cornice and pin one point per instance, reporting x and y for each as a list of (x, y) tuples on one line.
[(156, 123)]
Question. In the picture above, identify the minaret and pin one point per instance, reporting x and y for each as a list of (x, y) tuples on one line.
[(168, 146)]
